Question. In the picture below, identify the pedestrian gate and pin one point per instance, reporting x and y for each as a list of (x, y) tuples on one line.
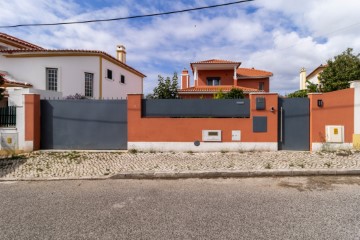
[(294, 124)]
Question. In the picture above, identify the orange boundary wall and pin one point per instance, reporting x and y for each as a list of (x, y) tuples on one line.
[(32, 119), (338, 109), (190, 129)]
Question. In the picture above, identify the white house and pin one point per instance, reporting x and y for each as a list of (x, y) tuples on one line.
[(313, 77), (94, 74)]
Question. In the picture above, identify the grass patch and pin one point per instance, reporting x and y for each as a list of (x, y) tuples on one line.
[(301, 165), (133, 151), (327, 164), (344, 153), (268, 166)]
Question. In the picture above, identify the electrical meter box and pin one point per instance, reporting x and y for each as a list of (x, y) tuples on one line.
[(9, 141), (334, 133), (235, 135), (260, 103), (211, 135)]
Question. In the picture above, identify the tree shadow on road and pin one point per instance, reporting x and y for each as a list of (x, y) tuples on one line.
[(9, 164)]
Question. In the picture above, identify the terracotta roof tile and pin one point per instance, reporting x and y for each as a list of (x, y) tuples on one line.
[(251, 72), (46, 51), (214, 89), (10, 82), (216, 61), (19, 41)]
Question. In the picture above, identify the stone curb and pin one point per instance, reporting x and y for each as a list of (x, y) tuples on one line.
[(236, 174), (205, 174)]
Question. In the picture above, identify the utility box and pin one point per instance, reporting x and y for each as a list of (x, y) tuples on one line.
[(211, 135), (236, 135), (260, 103), (9, 141), (334, 133)]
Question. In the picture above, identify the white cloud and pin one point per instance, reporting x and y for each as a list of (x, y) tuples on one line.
[(279, 36)]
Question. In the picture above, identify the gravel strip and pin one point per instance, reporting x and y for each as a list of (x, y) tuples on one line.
[(99, 164)]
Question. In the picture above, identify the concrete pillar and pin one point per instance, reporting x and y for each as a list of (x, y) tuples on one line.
[(356, 136), (32, 122)]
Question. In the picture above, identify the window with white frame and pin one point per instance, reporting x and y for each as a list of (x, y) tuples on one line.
[(89, 84), (213, 81), (52, 79)]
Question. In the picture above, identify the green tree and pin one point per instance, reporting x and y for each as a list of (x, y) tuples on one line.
[(310, 88), (235, 93), (298, 94), (219, 95), (2, 90), (166, 88), (340, 71)]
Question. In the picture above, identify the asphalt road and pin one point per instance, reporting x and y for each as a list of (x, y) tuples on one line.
[(257, 208)]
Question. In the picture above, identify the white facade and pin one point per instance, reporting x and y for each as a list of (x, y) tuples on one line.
[(71, 74), (113, 88)]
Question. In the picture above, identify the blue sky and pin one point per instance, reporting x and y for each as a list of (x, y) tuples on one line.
[(280, 36)]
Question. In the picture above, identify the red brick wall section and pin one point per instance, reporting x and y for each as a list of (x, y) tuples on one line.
[(226, 76), (254, 83), (190, 129), (338, 109), (32, 119)]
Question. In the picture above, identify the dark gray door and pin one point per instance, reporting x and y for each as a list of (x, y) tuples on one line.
[(84, 124), (294, 124)]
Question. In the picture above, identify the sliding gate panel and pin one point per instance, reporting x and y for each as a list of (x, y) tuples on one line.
[(84, 124)]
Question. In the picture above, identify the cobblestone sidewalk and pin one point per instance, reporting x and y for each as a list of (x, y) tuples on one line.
[(101, 164)]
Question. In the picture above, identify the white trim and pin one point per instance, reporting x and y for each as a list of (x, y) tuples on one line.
[(203, 147), (356, 86), (257, 77), (212, 92), (322, 146)]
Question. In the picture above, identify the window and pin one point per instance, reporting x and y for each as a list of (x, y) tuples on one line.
[(213, 81), (51, 79), (122, 79), (109, 74), (89, 84), (261, 85)]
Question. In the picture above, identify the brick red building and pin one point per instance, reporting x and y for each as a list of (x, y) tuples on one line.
[(211, 76)]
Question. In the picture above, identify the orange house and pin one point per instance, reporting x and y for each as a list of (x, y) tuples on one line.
[(211, 76)]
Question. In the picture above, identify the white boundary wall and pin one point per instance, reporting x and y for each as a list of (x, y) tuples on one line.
[(203, 147)]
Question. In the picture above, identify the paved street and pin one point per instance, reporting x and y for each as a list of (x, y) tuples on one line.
[(251, 208)]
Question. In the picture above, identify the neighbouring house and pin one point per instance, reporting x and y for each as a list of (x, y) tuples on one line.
[(212, 76), (94, 74), (313, 77)]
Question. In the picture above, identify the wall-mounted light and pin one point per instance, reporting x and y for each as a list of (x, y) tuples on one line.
[(320, 103), (272, 109)]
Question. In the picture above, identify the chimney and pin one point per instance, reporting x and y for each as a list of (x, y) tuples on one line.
[(121, 53), (302, 78), (185, 79)]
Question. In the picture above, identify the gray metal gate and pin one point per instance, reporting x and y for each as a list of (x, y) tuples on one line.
[(84, 124), (294, 124)]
